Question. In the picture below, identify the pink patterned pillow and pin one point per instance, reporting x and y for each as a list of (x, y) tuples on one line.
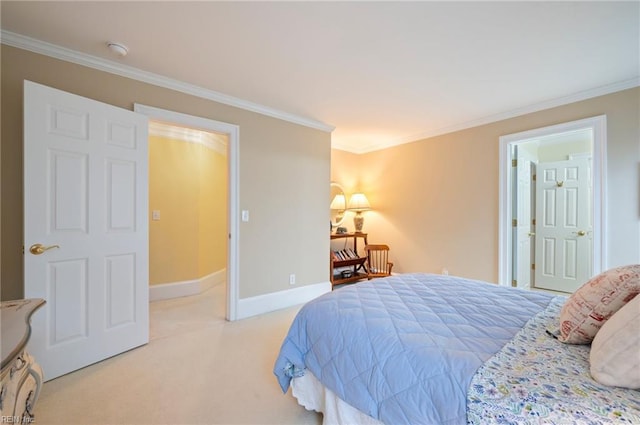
[(596, 301)]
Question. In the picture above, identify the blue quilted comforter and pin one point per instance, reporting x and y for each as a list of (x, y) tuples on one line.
[(404, 349)]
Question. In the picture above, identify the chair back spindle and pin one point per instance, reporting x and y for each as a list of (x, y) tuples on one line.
[(378, 264)]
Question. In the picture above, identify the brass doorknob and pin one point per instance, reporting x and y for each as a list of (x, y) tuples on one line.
[(38, 248), (581, 233)]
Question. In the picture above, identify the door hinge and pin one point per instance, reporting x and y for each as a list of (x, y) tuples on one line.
[(533, 221), (22, 249), (514, 283), (514, 222), (533, 177), (533, 266), (514, 162)]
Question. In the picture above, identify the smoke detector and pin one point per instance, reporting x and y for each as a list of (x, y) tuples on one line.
[(118, 48)]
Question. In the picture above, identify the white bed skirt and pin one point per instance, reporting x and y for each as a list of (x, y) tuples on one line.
[(311, 394)]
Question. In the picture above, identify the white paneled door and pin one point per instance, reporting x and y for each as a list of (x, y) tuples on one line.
[(85, 229), (564, 240), (523, 257)]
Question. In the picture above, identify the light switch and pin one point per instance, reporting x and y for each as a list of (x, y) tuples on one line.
[(245, 215), (155, 215)]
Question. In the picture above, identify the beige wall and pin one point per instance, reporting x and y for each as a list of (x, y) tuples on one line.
[(212, 240), (561, 151), (436, 200), (173, 190), (284, 173), (188, 185)]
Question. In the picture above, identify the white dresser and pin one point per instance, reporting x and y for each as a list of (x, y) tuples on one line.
[(21, 375)]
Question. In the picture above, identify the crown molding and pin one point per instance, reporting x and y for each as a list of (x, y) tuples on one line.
[(41, 47), (552, 103), (48, 49), (209, 140)]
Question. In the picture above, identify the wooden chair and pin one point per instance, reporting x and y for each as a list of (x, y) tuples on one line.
[(378, 264)]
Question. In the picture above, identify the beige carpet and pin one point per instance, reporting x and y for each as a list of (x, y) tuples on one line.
[(196, 369)]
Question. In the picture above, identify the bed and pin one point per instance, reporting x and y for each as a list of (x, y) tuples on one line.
[(431, 349)]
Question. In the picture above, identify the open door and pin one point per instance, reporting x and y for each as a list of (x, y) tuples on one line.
[(85, 228), (564, 227), (523, 252)]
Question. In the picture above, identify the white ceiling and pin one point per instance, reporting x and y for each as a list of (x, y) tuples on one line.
[(382, 73)]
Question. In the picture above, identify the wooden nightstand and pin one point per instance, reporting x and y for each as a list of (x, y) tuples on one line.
[(356, 264)]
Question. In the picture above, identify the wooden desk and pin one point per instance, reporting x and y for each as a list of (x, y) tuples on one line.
[(356, 264)]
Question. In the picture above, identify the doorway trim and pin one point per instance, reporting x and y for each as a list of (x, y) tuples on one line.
[(598, 126), (233, 132)]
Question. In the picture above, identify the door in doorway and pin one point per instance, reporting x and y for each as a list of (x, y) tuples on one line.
[(585, 138), (85, 203), (524, 204), (564, 242)]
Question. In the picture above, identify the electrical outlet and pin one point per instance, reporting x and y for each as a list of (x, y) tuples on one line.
[(292, 279), (245, 215), (445, 272), (155, 215)]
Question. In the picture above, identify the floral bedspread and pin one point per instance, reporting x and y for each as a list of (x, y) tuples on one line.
[(536, 379)]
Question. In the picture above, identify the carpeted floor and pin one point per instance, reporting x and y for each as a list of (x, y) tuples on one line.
[(196, 369)]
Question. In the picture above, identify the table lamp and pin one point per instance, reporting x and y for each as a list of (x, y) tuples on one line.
[(358, 203)]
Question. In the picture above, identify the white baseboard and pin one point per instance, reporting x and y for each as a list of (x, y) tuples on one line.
[(248, 307), (213, 279), (185, 288)]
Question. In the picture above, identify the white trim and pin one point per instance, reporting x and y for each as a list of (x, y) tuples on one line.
[(216, 278), (165, 291), (200, 137), (233, 161), (48, 49), (248, 307), (233, 248), (552, 103), (583, 155), (598, 125)]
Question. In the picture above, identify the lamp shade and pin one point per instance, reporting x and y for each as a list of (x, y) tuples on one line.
[(359, 202), (339, 202)]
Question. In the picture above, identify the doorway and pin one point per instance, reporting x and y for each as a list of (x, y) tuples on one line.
[(231, 132), (552, 197), (188, 204)]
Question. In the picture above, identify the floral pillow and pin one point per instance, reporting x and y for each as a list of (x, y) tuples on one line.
[(596, 301), (615, 352)]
